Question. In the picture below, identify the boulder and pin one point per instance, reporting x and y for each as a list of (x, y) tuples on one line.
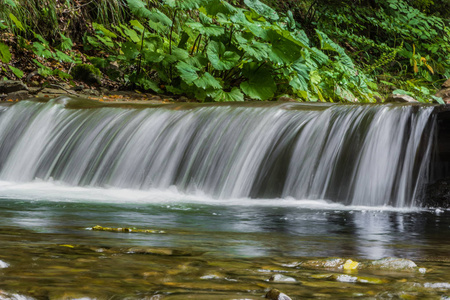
[(401, 98), (11, 86), (275, 294)]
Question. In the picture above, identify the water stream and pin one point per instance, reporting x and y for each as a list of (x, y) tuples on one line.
[(234, 193)]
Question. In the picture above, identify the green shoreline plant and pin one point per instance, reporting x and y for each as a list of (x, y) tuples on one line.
[(212, 50), (217, 50)]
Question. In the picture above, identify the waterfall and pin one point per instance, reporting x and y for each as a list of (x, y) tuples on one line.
[(370, 155)]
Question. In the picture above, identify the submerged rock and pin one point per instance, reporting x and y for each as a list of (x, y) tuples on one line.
[(328, 263), (162, 251), (3, 264), (393, 264), (281, 278), (275, 294), (125, 229), (349, 278)]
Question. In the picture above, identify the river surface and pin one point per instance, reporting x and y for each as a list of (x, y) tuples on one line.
[(203, 248)]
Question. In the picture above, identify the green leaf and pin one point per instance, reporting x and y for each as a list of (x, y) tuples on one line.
[(437, 99), (16, 22), (207, 81), (187, 72), (234, 95), (129, 50), (216, 7), (284, 49), (147, 84), (66, 43), (137, 25), (401, 92), (185, 4), (139, 9), (159, 22), (131, 34), (301, 79), (5, 55), (106, 32), (262, 9), (61, 56), (253, 48), (41, 50), (260, 85), (220, 58), (17, 72), (212, 30)]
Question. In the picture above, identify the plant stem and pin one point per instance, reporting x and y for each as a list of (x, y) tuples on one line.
[(171, 31)]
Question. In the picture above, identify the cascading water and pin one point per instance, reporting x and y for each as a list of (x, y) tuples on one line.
[(371, 155)]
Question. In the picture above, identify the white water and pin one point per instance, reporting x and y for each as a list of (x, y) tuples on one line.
[(61, 192), (361, 156)]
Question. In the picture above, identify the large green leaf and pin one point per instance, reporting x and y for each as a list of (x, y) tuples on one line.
[(262, 9), (212, 30), (185, 4), (260, 85), (187, 72), (300, 79), (5, 55), (220, 58), (215, 7), (207, 81), (129, 50), (138, 8), (284, 50), (253, 48), (159, 22), (234, 95)]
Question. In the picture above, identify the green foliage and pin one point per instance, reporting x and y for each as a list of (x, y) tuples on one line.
[(212, 50), (86, 73), (5, 55), (396, 38)]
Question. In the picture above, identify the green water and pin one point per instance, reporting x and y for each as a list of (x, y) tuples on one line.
[(214, 251)]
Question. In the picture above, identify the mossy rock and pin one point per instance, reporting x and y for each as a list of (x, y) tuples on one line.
[(86, 73)]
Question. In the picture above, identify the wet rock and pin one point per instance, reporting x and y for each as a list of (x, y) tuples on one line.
[(330, 263), (11, 86), (444, 93), (286, 99), (351, 265), (349, 278), (438, 194), (275, 294), (162, 251), (125, 229), (401, 98), (17, 96), (281, 278), (393, 264), (3, 264)]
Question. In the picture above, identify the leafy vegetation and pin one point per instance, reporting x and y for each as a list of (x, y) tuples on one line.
[(217, 50)]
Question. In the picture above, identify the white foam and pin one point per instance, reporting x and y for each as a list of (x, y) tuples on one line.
[(60, 192)]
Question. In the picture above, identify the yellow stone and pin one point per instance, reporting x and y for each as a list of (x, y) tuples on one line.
[(351, 265)]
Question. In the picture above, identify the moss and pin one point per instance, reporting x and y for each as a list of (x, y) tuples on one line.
[(86, 73)]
